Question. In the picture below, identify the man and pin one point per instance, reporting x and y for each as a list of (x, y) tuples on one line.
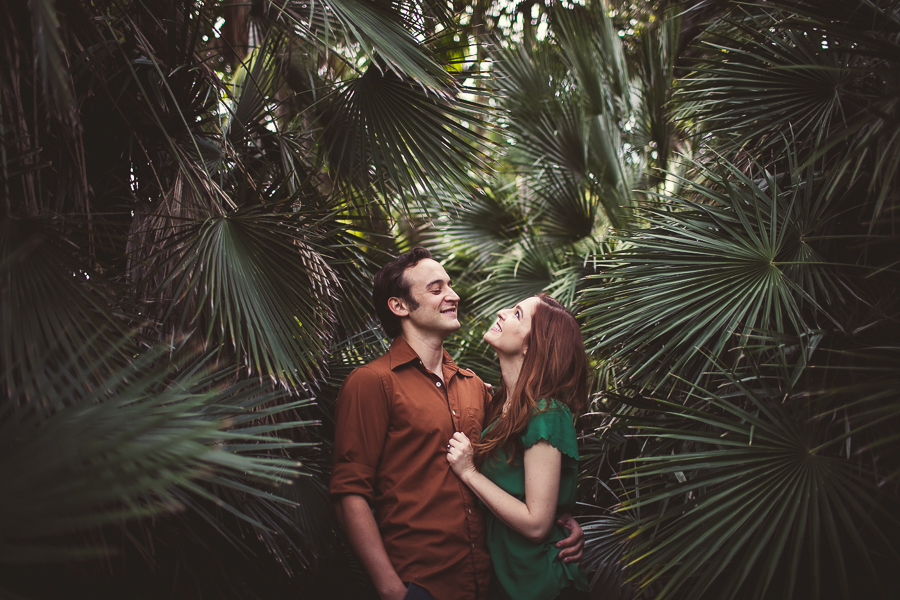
[(394, 417)]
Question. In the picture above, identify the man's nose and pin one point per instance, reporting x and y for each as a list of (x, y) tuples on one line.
[(453, 295)]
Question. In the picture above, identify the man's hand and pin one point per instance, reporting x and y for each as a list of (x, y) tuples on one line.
[(572, 546), (395, 593)]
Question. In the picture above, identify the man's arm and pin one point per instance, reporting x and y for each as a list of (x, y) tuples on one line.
[(572, 546), (362, 422), (358, 523)]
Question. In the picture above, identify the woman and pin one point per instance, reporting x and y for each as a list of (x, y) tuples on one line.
[(527, 455)]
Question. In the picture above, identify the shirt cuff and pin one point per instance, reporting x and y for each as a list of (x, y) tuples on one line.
[(352, 478)]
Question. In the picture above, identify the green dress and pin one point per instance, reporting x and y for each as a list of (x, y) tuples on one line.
[(525, 570)]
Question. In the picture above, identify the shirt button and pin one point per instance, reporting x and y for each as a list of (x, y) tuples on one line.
[(473, 546), (454, 412), (437, 383), (470, 511)]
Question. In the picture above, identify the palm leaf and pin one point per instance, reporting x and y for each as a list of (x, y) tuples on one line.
[(253, 87), (342, 24), (862, 385), (818, 70), (755, 482), (525, 271), (469, 351), (49, 51), (387, 130), (256, 281), (477, 229), (124, 450), (658, 53), (606, 543), (53, 304), (589, 41), (564, 113), (790, 76), (703, 277)]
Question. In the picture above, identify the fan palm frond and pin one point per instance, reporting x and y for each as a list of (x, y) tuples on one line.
[(145, 442), (412, 139), (591, 45), (607, 543), (570, 209), (49, 52), (256, 281), (755, 497), (343, 24), (53, 305), (791, 77), (527, 80), (478, 229), (531, 267), (658, 53), (862, 386), (469, 350), (818, 71), (253, 87), (703, 277)]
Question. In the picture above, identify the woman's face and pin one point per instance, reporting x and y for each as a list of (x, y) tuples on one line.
[(507, 336)]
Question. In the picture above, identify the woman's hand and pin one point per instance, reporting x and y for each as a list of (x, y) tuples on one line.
[(461, 455)]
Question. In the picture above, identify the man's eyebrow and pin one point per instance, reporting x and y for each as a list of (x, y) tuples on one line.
[(436, 281)]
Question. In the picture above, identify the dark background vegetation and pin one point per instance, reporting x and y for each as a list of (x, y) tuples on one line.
[(196, 194)]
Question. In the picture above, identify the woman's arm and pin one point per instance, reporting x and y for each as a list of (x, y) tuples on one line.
[(533, 518)]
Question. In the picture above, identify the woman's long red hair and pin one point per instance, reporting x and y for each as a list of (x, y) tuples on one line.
[(555, 367)]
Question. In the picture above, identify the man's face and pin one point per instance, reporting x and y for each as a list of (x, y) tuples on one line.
[(429, 285)]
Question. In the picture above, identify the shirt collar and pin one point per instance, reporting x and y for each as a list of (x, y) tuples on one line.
[(401, 353)]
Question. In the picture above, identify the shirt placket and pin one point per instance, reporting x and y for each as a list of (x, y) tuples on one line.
[(468, 499), (453, 402), (443, 392)]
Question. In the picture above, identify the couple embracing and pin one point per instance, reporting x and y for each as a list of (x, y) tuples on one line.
[(434, 478)]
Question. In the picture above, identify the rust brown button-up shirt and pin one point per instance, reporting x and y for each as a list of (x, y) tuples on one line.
[(394, 418)]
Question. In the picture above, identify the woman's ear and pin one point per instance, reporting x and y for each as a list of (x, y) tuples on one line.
[(398, 307)]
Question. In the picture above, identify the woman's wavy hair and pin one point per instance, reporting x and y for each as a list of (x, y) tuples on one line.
[(555, 367)]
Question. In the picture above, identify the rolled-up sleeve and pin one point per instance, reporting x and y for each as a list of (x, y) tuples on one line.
[(362, 414)]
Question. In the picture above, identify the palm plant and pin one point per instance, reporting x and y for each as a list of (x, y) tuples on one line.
[(582, 133), (751, 325), (185, 238), (742, 316)]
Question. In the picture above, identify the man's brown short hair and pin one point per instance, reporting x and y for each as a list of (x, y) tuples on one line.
[(390, 283)]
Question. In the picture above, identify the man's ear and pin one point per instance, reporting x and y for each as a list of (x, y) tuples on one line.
[(398, 307)]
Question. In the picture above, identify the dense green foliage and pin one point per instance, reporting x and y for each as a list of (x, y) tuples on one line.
[(195, 196), (721, 214), (192, 199)]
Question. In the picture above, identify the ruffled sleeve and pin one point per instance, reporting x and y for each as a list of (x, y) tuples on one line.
[(552, 422)]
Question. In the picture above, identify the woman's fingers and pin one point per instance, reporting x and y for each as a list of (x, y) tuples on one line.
[(459, 450)]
